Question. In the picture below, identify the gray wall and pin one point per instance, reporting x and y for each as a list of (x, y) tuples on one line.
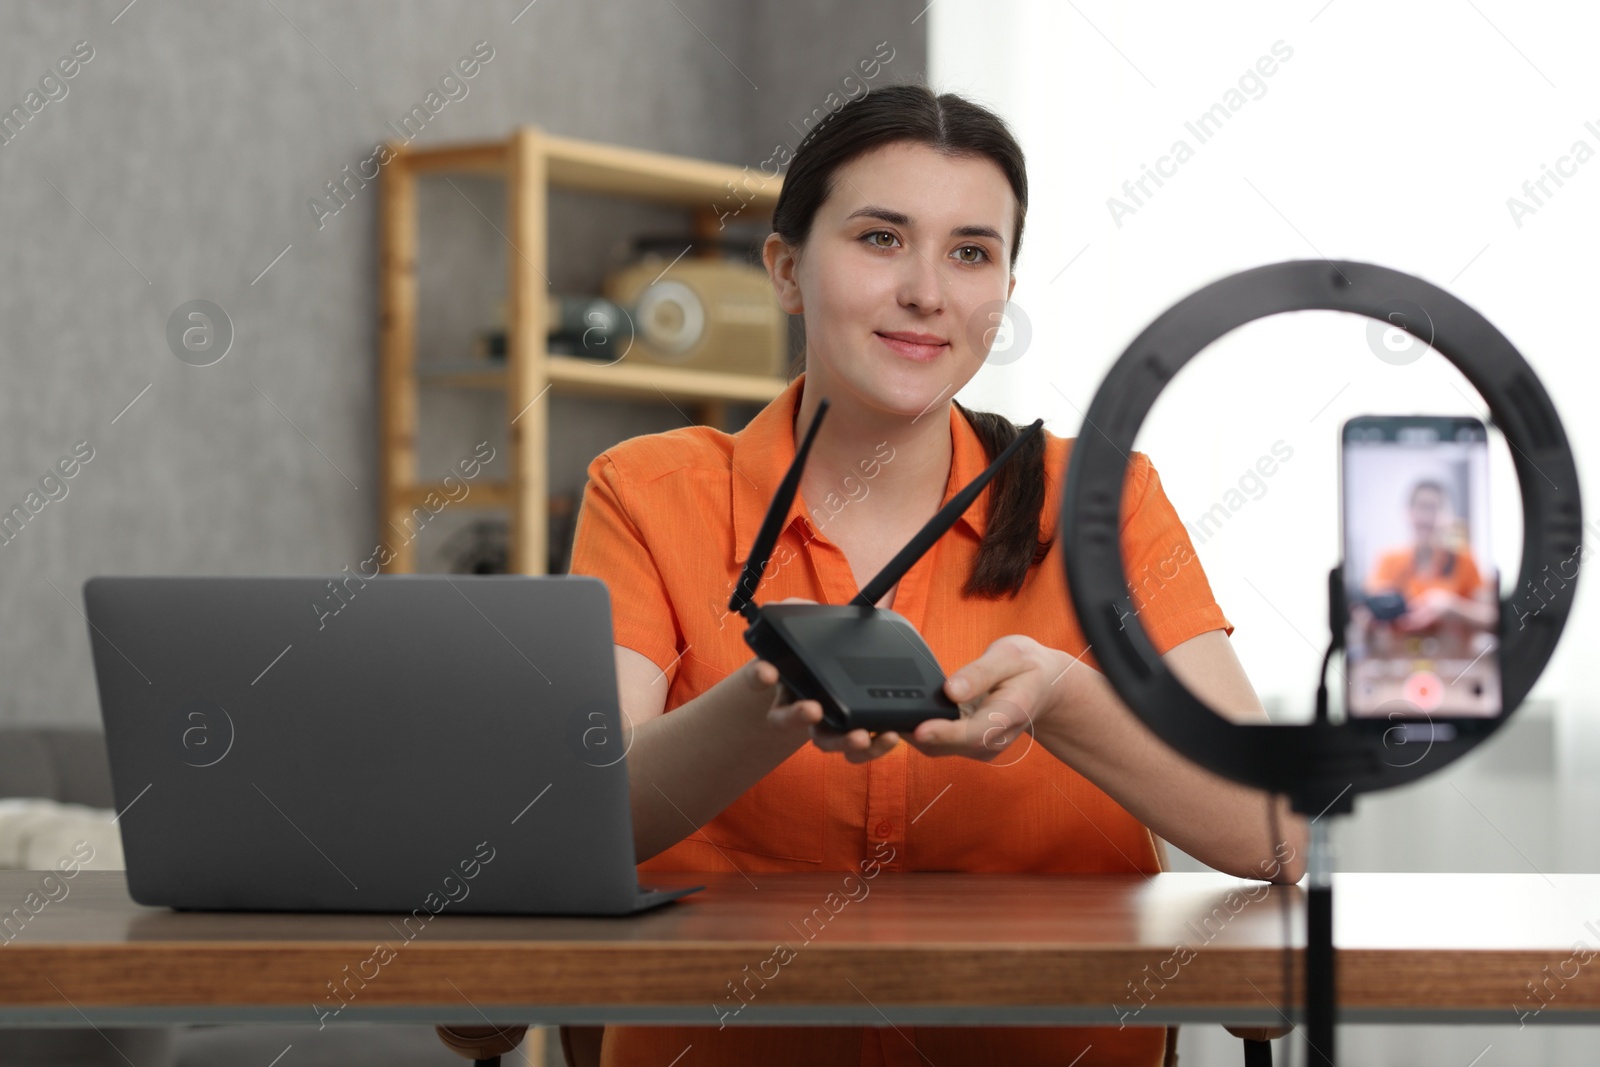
[(185, 152)]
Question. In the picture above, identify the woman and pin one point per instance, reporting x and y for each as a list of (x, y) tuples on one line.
[(1441, 583), (895, 237)]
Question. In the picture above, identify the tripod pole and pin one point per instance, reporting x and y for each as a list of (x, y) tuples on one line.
[(1319, 949)]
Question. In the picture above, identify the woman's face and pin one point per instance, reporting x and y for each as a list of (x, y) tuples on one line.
[(1426, 506), (903, 275)]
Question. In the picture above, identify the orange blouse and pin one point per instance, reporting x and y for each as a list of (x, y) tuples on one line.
[(1397, 570), (667, 521)]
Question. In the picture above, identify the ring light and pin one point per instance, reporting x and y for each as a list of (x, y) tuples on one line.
[(1317, 763)]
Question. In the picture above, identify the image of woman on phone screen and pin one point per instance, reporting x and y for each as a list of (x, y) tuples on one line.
[(895, 239)]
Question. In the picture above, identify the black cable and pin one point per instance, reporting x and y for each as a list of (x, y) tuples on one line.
[(1322, 682)]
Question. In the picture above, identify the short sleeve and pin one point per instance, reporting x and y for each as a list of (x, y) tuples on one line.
[(1386, 572), (1470, 581), (1168, 586), (608, 545)]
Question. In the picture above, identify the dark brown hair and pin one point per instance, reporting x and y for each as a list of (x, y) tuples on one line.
[(956, 127), (1429, 483)]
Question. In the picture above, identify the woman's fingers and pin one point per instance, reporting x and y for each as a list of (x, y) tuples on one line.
[(831, 740), (875, 746), (883, 743), (760, 674), (796, 714), (938, 732), (787, 713), (989, 732), (858, 745)]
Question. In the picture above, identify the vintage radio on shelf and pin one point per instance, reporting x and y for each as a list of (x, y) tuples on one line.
[(704, 314), (712, 314)]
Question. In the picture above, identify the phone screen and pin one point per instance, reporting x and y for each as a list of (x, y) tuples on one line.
[(1421, 589)]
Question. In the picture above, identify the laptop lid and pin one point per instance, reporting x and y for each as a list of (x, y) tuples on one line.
[(415, 743)]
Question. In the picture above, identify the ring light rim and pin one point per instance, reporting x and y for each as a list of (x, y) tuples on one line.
[(1307, 761)]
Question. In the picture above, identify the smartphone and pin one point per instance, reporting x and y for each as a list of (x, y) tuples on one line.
[(1421, 591)]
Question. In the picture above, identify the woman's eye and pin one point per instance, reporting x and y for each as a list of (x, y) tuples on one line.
[(970, 254)]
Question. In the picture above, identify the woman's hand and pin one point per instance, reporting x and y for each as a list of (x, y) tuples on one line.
[(1008, 690), (1002, 695), (787, 714), (858, 746), (1427, 609), (805, 716)]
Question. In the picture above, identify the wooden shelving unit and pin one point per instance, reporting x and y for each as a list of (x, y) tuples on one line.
[(532, 162)]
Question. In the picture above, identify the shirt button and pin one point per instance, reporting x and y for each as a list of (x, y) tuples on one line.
[(883, 828)]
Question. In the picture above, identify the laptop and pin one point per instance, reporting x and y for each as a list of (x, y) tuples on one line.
[(411, 743)]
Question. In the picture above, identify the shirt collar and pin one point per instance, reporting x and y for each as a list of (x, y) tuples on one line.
[(763, 450)]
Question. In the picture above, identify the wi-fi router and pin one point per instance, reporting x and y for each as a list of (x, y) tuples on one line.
[(867, 666)]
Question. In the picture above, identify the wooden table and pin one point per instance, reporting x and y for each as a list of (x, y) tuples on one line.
[(905, 948)]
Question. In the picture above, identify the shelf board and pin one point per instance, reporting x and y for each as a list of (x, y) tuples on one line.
[(634, 172), (645, 380), (479, 495), (615, 170), (477, 374), (483, 157), (572, 374)]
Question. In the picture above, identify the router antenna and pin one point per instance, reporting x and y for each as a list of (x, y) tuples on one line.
[(743, 599), (946, 517)]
